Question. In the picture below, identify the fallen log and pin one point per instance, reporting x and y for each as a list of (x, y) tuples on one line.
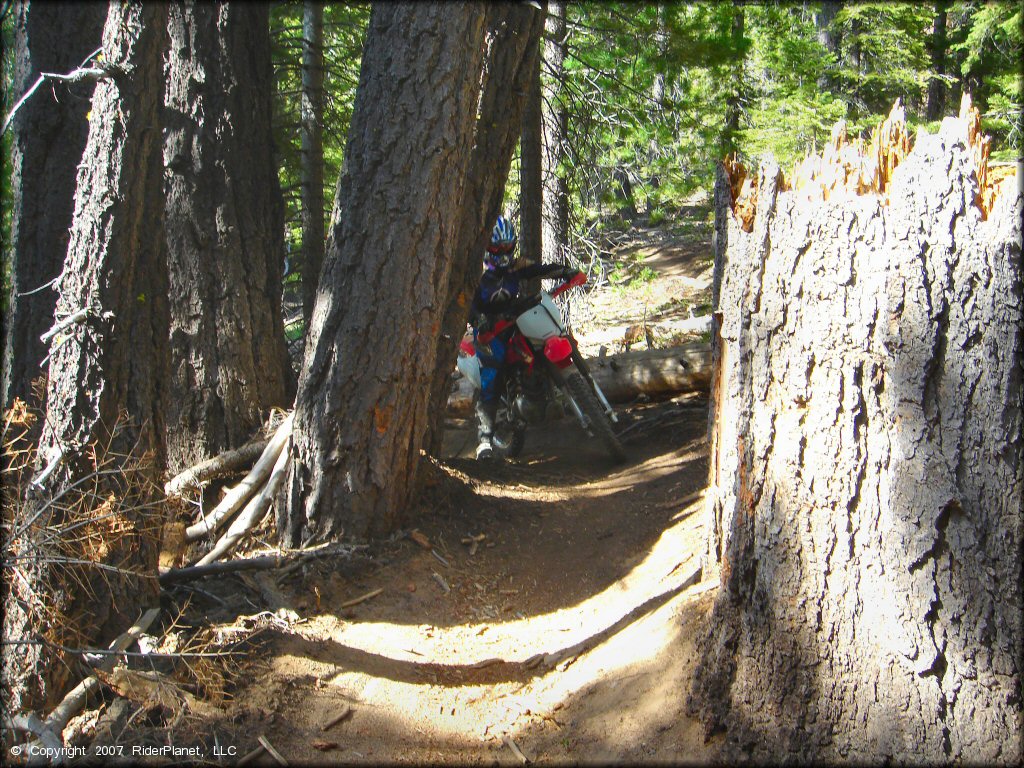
[(624, 376), (254, 481), (218, 466), (254, 510)]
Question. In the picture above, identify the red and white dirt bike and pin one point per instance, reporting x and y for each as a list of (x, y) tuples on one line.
[(537, 384)]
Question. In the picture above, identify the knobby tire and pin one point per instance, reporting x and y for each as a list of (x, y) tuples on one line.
[(599, 423)]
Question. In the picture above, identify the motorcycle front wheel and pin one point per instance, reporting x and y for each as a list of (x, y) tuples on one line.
[(509, 439), (600, 425)]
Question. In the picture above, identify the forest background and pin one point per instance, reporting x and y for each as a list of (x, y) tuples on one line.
[(634, 107), (655, 94)]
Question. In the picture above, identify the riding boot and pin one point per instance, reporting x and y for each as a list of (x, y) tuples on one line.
[(486, 411)]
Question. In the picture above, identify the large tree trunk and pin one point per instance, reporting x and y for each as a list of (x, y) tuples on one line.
[(514, 32), (362, 409), (225, 230), (531, 174), (312, 116), (866, 472), (49, 135), (105, 398), (555, 131)]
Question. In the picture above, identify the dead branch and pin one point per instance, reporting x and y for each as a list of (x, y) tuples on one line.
[(75, 700), (248, 757), (218, 466), (238, 495), (271, 751), (515, 749), (256, 507), (30, 723), (361, 598), (74, 317), (77, 76), (55, 459), (285, 560), (191, 573), (346, 710)]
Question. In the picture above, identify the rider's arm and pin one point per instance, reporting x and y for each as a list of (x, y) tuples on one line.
[(476, 309), (547, 272)]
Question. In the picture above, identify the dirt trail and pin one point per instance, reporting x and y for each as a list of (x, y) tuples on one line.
[(567, 630)]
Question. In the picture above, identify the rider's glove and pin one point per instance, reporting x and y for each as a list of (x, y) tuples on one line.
[(568, 273)]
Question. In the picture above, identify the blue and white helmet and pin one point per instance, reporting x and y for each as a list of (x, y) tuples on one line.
[(501, 249)]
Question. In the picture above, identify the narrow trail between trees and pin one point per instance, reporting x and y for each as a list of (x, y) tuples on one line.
[(542, 609), (568, 630)]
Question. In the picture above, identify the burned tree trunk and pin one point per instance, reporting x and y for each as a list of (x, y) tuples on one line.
[(866, 488), (48, 138), (362, 409), (105, 405), (225, 231)]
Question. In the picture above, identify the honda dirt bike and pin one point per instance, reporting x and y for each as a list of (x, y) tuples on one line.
[(544, 375)]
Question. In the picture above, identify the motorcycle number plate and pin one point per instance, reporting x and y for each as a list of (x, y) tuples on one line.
[(542, 321)]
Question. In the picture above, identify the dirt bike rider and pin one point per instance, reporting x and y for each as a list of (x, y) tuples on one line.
[(496, 297)]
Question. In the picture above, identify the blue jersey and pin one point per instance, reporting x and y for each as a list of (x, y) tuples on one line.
[(494, 296), (497, 290)]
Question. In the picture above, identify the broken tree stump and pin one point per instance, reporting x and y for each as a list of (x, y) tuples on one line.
[(866, 451)]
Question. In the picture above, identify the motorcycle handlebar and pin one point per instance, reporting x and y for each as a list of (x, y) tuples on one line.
[(578, 279)]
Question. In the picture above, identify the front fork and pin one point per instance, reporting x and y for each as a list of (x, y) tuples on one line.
[(581, 366), (559, 379)]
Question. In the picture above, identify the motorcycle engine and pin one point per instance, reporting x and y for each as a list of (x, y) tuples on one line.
[(529, 409)]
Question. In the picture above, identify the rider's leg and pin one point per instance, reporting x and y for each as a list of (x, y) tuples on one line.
[(487, 404), (486, 411)]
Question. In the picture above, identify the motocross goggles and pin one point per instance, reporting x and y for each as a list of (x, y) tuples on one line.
[(501, 249)]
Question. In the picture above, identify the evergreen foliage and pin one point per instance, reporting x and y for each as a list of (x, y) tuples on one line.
[(648, 89), (344, 30)]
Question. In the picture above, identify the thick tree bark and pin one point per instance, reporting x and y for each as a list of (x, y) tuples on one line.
[(555, 124), (514, 31), (48, 138), (312, 152), (225, 230), (866, 486), (362, 409), (531, 173), (105, 397)]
